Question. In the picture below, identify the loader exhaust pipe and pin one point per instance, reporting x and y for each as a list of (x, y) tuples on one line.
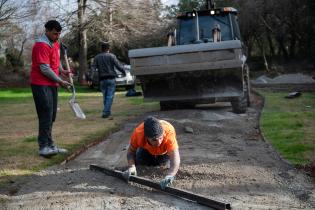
[(197, 27), (210, 4)]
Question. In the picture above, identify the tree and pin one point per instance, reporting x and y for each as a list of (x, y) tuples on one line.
[(14, 59), (126, 24), (7, 10), (82, 39), (12, 32)]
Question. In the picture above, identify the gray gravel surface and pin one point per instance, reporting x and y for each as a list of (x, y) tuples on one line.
[(223, 157), (297, 78)]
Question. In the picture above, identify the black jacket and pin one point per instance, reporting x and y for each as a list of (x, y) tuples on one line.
[(105, 63)]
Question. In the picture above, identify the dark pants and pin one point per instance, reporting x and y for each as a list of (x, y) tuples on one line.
[(45, 98), (143, 157)]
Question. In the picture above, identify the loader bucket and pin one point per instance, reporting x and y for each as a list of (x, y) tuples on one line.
[(202, 73)]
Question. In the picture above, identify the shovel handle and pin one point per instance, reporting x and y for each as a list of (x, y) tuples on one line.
[(68, 66)]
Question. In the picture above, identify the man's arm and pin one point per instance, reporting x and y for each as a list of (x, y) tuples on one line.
[(131, 156), (169, 178), (118, 65), (93, 68), (132, 170), (60, 68), (49, 73), (64, 72), (174, 162)]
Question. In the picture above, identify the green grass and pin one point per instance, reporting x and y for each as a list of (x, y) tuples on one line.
[(23, 94), (3, 200), (289, 125), (30, 139), (15, 95), (19, 126)]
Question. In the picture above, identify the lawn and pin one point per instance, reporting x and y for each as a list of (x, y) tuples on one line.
[(19, 126), (289, 125)]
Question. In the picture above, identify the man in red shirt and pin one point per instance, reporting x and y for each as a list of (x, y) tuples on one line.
[(154, 143), (44, 78)]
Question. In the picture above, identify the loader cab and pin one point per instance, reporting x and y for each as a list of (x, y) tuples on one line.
[(207, 26)]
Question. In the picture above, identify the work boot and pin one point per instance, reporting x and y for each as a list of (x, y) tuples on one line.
[(47, 152), (59, 150), (107, 116)]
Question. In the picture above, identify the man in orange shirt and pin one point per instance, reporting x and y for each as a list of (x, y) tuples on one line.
[(154, 143)]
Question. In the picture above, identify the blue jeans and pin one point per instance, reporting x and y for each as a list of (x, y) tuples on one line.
[(108, 87)]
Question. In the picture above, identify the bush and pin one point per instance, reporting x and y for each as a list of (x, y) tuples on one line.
[(2, 61), (13, 58)]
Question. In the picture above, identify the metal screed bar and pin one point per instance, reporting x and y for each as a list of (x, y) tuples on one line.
[(170, 190)]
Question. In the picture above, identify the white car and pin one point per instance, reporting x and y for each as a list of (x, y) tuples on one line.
[(127, 81)]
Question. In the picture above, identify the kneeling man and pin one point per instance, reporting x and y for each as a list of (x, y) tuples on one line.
[(154, 143)]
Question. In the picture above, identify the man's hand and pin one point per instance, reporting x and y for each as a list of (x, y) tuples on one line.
[(65, 84), (166, 182), (130, 171), (67, 73)]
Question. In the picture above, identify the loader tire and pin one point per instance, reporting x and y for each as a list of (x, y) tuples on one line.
[(170, 105), (247, 85), (185, 105), (167, 105), (239, 105)]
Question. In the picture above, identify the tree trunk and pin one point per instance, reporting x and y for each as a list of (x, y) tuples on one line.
[(82, 41), (265, 59), (260, 44), (282, 49), (22, 48), (109, 18), (292, 44), (271, 47)]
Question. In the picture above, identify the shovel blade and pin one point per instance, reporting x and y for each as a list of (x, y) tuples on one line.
[(77, 110)]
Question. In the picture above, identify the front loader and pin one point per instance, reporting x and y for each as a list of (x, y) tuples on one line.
[(204, 62)]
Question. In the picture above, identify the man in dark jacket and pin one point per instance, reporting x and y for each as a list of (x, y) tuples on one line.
[(105, 63)]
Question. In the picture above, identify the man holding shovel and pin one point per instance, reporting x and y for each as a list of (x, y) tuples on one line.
[(45, 79), (154, 143)]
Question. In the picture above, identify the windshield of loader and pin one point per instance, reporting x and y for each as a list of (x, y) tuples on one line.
[(187, 28)]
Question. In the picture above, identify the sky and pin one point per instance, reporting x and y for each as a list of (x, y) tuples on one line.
[(63, 6), (169, 2)]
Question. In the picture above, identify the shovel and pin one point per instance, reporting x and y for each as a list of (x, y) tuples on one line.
[(73, 104)]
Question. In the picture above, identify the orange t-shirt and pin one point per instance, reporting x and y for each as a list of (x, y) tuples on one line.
[(168, 144)]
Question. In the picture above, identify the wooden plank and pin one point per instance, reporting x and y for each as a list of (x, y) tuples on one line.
[(170, 190)]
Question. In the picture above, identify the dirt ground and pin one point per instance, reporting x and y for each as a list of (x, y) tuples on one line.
[(223, 157)]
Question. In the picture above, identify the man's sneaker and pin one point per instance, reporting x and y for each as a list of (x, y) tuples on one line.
[(58, 150), (47, 152), (105, 115), (109, 117)]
